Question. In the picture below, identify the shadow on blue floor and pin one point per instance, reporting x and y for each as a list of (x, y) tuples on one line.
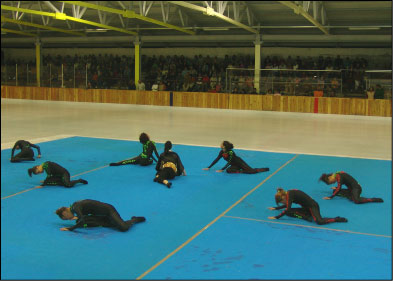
[(33, 247)]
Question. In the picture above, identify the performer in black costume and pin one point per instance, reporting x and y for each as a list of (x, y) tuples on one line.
[(92, 213), (309, 207), (235, 163), (168, 166), (26, 154), (354, 189), (56, 174), (146, 157)]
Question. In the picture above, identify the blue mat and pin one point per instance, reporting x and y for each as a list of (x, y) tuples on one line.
[(33, 247)]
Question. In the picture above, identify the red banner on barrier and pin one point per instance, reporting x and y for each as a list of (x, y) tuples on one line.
[(315, 105)]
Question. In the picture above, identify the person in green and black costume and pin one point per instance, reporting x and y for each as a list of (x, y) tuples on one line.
[(56, 175), (146, 157), (92, 213), (309, 210), (352, 192), (235, 163), (26, 154), (168, 166)]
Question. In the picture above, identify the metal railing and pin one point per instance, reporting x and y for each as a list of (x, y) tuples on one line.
[(334, 83)]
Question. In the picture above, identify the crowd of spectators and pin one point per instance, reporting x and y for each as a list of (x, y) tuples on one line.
[(206, 73)]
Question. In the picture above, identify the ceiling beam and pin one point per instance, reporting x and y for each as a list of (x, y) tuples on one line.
[(299, 10), (128, 14), (62, 16), (301, 39), (17, 32), (4, 19), (50, 5), (210, 12)]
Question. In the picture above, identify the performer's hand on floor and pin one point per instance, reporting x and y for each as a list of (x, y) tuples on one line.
[(39, 156), (327, 198), (64, 229), (272, 218), (207, 169), (219, 171), (271, 208)]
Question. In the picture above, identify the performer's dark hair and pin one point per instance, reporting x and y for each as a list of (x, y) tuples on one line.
[(144, 138), (278, 196), (168, 146), (32, 171), (228, 146), (60, 211), (325, 178)]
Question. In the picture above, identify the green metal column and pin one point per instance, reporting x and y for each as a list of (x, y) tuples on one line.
[(38, 59), (137, 44), (257, 72)]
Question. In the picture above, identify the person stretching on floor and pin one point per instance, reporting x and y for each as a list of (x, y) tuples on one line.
[(309, 207), (354, 189), (146, 157), (56, 174), (168, 166), (235, 163), (26, 154), (92, 213)]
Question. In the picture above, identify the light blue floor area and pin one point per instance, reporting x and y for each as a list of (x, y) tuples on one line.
[(33, 247), (373, 175), (242, 249)]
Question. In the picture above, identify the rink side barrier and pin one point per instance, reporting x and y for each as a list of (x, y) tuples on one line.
[(326, 105)]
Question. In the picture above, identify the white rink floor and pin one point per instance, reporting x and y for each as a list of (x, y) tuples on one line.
[(304, 133)]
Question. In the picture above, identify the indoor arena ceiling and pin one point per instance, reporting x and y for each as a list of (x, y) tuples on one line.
[(196, 23)]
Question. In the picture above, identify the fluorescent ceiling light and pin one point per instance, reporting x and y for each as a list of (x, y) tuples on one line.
[(97, 30), (364, 28), (215, 28)]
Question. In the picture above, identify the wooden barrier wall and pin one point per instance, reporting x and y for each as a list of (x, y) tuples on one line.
[(89, 95), (345, 106)]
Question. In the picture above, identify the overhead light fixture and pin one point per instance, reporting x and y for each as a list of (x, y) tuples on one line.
[(97, 30), (364, 28), (215, 28)]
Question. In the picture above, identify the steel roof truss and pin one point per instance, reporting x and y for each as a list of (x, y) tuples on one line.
[(23, 13), (243, 13), (50, 5), (82, 12), (306, 5), (181, 17), (5, 19), (44, 21), (210, 12), (299, 10), (236, 11), (121, 4), (122, 21), (315, 7), (165, 12), (323, 15), (148, 8), (127, 13), (141, 10), (17, 13), (250, 14), (221, 6)]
